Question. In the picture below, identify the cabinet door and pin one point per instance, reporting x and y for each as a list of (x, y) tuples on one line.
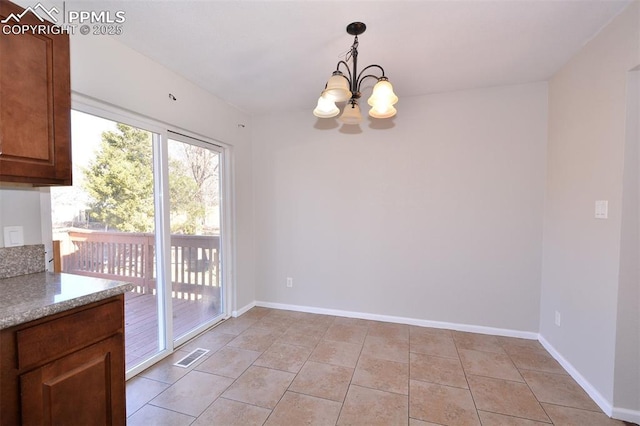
[(83, 388), (35, 103)]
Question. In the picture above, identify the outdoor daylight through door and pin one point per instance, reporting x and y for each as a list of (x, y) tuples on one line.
[(194, 187), (145, 208), (106, 221)]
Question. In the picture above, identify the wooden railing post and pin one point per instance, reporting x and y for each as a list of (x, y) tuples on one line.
[(57, 256), (147, 275)]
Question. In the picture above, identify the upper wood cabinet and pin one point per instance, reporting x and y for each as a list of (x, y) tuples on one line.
[(35, 102)]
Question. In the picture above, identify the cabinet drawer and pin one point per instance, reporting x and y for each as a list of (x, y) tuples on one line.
[(47, 341)]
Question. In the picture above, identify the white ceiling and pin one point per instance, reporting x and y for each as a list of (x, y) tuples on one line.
[(267, 55)]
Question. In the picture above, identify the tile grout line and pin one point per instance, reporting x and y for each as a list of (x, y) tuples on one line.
[(466, 376), (352, 374), (528, 386), (289, 386), (409, 381), (219, 375), (526, 383)]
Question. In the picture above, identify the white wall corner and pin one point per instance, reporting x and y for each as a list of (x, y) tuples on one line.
[(595, 395), (242, 310), (632, 416)]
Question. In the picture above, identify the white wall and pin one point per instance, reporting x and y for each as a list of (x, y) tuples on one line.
[(20, 206), (437, 218), (627, 363), (581, 255)]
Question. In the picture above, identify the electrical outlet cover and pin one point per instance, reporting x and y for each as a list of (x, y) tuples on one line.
[(13, 236)]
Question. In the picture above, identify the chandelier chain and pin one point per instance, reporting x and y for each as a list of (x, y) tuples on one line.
[(353, 51)]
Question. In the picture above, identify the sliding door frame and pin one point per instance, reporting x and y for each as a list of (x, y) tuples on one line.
[(161, 134), (183, 137)]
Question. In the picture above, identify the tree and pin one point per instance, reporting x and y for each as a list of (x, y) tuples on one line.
[(120, 181), (203, 165), (120, 184), (187, 209)]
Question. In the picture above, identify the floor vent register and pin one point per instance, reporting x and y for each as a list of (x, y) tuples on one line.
[(192, 357)]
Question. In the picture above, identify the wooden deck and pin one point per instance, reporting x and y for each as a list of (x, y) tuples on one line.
[(141, 322), (194, 274)]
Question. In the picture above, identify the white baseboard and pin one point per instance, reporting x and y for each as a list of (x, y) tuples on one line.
[(626, 415), (597, 397), (605, 405), (403, 320), (242, 310)]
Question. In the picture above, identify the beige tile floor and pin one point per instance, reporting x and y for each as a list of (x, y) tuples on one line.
[(276, 367)]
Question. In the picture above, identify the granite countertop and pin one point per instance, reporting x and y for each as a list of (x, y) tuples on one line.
[(33, 296)]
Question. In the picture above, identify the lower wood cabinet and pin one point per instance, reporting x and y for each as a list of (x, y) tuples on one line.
[(67, 369)]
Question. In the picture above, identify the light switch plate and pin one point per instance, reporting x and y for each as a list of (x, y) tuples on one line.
[(602, 209), (13, 236)]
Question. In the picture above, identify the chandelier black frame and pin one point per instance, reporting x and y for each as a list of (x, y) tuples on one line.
[(346, 88)]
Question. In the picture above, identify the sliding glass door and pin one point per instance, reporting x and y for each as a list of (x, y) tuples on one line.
[(105, 222), (145, 208)]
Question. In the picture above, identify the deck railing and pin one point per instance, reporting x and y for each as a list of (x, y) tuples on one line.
[(195, 260)]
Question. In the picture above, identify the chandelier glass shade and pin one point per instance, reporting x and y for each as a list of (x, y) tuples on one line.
[(338, 89), (346, 88), (326, 108), (351, 113)]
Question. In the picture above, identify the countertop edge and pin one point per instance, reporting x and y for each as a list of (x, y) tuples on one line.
[(44, 311)]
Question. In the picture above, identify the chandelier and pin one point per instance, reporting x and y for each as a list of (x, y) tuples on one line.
[(346, 88)]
